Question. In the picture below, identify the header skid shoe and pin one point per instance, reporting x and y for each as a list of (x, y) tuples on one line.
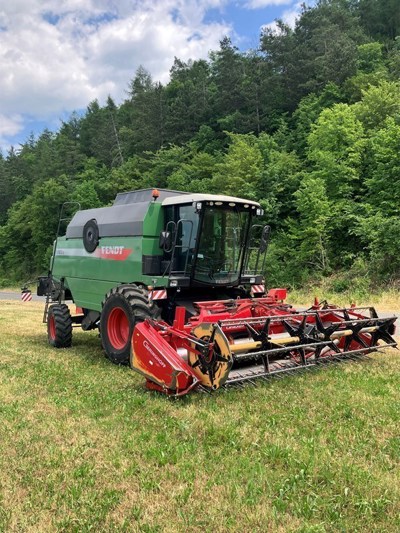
[(235, 341)]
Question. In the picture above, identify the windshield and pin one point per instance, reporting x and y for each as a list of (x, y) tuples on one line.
[(221, 245)]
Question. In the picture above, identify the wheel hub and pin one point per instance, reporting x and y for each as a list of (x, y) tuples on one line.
[(118, 328)]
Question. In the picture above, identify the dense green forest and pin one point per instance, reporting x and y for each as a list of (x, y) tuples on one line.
[(308, 124)]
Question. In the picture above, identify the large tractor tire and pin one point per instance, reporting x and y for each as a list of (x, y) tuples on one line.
[(59, 326), (123, 307)]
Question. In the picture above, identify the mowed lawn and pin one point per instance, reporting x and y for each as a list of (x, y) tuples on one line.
[(84, 447)]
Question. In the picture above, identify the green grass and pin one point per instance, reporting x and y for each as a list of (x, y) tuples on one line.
[(384, 299), (85, 448)]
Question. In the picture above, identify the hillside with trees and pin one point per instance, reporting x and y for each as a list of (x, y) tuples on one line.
[(308, 124)]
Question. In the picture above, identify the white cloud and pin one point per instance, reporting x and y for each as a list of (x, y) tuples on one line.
[(260, 4), (289, 17), (58, 55), (10, 125)]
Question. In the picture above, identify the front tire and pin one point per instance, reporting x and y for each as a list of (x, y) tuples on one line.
[(59, 326), (123, 307)]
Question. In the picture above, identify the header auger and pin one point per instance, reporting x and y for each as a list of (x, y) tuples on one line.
[(174, 283)]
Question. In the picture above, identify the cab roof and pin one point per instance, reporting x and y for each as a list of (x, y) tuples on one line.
[(170, 197), (198, 197)]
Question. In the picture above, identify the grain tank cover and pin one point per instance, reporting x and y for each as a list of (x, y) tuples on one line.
[(123, 219), (114, 221)]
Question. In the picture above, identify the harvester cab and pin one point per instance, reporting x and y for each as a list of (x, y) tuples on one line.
[(174, 282), (206, 242)]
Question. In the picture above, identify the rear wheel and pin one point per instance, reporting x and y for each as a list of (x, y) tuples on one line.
[(123, 307), (59, 326)]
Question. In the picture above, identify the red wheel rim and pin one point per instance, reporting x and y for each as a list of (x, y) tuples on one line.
[(118, 328), (52, 327)]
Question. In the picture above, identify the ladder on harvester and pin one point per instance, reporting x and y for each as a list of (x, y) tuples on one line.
[(63, 217)]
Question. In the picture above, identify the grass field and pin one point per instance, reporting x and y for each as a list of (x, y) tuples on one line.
[(85, 448), (384, 300)]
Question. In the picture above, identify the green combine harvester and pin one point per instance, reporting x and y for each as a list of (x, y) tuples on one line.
[(174, 282)]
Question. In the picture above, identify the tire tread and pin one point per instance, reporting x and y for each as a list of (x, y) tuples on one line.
[(137, 298), (63, 326)]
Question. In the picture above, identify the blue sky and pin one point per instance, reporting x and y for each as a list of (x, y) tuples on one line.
[(56, 56)]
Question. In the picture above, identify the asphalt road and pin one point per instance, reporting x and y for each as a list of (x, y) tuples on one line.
[(8, 295)]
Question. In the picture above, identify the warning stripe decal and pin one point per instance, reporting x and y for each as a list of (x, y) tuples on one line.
[(257, 289), (160, 294), (26, 296)]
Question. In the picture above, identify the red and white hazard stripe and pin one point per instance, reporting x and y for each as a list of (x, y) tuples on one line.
[(257, 289), (26, 296), (158, 294)]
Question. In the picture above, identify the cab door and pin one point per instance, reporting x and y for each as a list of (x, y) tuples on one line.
[(182, 225)]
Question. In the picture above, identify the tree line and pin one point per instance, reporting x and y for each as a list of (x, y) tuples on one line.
[(308, 124)]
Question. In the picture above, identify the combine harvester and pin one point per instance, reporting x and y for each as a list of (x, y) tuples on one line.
[(175, 283)]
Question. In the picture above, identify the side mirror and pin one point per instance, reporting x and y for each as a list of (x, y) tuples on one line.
[(265, 239), (165, 241)]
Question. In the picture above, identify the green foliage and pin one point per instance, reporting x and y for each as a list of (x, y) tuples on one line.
[(335, 149), (371, 70), (144, 115), (241, 167), (195, 175), (393, 59), (380, 19), (31, 229), (381, 235), (190, 95), (85, 193), (378, 103), (322, 48), (310, 233), (307, 113), (370, 57), (383, 185), (308, 125)]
